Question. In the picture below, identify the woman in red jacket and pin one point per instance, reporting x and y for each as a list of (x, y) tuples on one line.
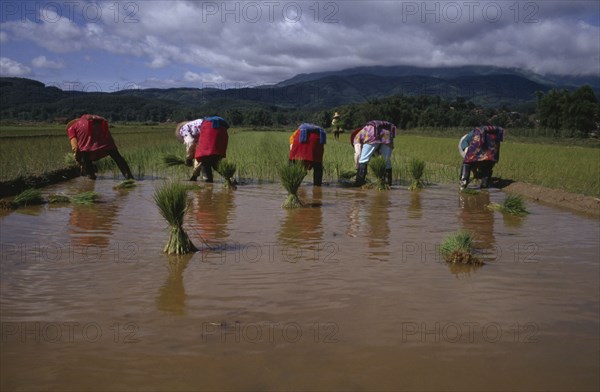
[(307, 146), (212, 147), (90, 141)]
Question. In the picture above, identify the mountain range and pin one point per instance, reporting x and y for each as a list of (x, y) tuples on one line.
[(483, 85)]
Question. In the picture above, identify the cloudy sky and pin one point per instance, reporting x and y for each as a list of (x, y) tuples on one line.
[(112, 45)]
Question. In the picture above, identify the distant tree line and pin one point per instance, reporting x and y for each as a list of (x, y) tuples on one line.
[(565, 113), (569, 113)]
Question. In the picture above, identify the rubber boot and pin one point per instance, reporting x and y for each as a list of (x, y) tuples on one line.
[(388, 176), (361, 174), (485, 183), (88, 166), (207, 173), (121, 164), (465, 173), (317, 174), (486, 175)]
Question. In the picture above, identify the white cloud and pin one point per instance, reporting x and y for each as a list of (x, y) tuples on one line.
[(43, 62), (3, 37), (9, 67), (239, 44)]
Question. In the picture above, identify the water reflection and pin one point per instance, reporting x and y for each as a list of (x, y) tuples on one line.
[(212, 210), (475, 217), (369, 220), (92, 225), (462, 270), (415, 210), (301, 231), (171, 295)]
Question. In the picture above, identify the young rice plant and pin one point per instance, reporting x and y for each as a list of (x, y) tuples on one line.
[(171, 199), (458, 248), (291, 177)]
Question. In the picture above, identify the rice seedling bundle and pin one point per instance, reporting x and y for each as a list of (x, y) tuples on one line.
[(88, 197), (127, 184), (346, 174), (58, 199), (291, 177), (513, 205), (171, 199), (227, 170), (377, 165), (69, 159), (29, 197), (173, 160), (416, 167), (458, 248)]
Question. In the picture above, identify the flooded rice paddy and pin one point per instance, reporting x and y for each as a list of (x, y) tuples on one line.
[(347, 294)]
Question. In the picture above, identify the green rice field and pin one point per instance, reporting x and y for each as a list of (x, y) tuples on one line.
[(35, 149)]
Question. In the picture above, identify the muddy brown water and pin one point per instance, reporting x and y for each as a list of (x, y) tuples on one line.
[(348, 294)]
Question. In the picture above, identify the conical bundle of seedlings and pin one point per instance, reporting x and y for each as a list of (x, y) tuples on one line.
[(291, 177), (227, 170), (513, 205), (171, 199), (458, 248), (416, 168), (377, 165)]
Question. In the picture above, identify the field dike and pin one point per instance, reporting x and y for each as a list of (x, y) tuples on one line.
[(587, 205), (19, 184)]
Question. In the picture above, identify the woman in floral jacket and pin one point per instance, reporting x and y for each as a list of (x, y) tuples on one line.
[(374, 137), (480, 149)]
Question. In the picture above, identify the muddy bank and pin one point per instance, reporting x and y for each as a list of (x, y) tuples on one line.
[(18, 185), (588, 205)]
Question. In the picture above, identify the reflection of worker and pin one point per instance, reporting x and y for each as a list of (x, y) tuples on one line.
[(90, 141), (187, 132), (375, 137), (212, 211), (91, 227), (307, 146), (212, 147), (336, 124), (301, 232), (475, 217), (480, 149)]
